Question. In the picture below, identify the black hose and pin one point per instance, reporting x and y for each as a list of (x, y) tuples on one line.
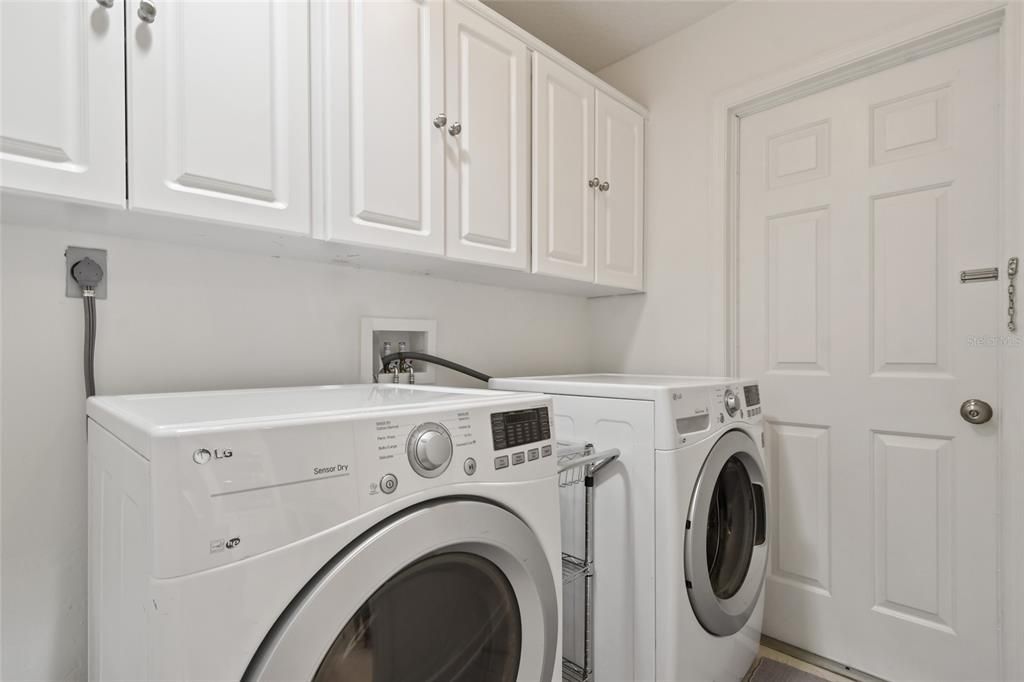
[(90, 345), (434, 360)]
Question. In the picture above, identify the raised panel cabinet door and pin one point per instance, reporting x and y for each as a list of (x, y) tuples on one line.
[(620, 195), (62, 104), (487, 84), (563, 170), (382, 80), (218, 101)]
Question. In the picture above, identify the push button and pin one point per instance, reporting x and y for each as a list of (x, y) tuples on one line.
[(518, 457), (501, 462), (533, 454), (388, 483), (545, 451), (469, 466)]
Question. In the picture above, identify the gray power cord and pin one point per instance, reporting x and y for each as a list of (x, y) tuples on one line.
[(88, 274)]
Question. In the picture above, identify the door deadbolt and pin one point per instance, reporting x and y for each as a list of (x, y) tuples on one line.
[(976, 411)]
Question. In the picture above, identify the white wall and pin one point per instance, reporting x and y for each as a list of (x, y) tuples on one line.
[(182, 318), (670, 329)]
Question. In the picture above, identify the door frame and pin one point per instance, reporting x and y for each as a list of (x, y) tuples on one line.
[(934, 34)]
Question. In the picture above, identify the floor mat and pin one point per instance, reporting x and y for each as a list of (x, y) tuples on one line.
[(768, 670)]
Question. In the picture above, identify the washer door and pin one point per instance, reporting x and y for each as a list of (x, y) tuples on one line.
[(726, 549), (454, 590)]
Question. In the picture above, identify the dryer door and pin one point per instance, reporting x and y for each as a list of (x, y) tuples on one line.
[(726, 549), (453, 590)]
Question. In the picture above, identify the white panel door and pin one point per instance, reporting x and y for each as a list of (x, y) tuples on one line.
[(382, 86), (218, 102), (487, 86), (620, 197), (62, 110), (859, 207), (563, 168)]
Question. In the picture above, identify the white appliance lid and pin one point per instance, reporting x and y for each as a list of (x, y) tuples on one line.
[(152, 413), (629, 386)]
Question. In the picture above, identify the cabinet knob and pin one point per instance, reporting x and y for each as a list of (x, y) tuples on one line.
[(440, 120), (593, 183), (604, 186), (454, 129), (105, 3), (147, 11)]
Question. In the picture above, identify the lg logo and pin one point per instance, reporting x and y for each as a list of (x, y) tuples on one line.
[(202, 455)]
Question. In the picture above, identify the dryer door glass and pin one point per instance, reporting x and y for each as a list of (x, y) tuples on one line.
[(731, 524), (725, 553), (447, 617)]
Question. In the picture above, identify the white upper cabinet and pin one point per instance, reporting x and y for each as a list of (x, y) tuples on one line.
[(564, 192), (62, 110), (620, 197), (218, 101), (488, 148), (378, 90)]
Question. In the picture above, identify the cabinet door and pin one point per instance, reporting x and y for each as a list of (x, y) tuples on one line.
[(218, 101), (620, 202), (62, 110), (488, 153), (382, 81), (563, 165)]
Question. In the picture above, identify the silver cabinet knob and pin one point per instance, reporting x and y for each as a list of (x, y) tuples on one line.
[(147, 11), (105, 3), (454, 129), (976, 411), (604, 186), (440, 120), (593, 183)]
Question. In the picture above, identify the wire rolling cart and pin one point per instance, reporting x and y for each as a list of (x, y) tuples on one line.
[(578, 464)]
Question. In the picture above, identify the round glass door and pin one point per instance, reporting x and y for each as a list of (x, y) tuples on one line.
[(725, 548), (447, 617), (451, 590)]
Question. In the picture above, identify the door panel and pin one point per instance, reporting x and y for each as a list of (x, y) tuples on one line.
[(219, 129), (620, 207), (488, 158), (563, 163), (62, 116), (383, 84), (859, 206)]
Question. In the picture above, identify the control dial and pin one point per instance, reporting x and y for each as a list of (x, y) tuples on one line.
[(732, 402), (430, 449)]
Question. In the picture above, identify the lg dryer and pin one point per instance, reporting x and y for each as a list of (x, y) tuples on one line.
[(344, 532)]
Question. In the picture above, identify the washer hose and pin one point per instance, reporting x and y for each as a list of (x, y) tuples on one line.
[(434, 360)]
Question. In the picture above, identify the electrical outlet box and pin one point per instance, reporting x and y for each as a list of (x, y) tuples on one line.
[(72, 255), (419, 335)]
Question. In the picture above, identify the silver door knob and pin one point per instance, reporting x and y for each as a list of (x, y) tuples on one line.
[(454, 129), (976, 411), (105, 3), (147, 11), (593, 183), (604, 186), (440, 120)]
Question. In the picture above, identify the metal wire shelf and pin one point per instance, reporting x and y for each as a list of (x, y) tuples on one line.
[(579, 463), (574, 568)]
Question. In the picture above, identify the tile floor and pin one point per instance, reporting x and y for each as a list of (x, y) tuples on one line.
[(806, 667)]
